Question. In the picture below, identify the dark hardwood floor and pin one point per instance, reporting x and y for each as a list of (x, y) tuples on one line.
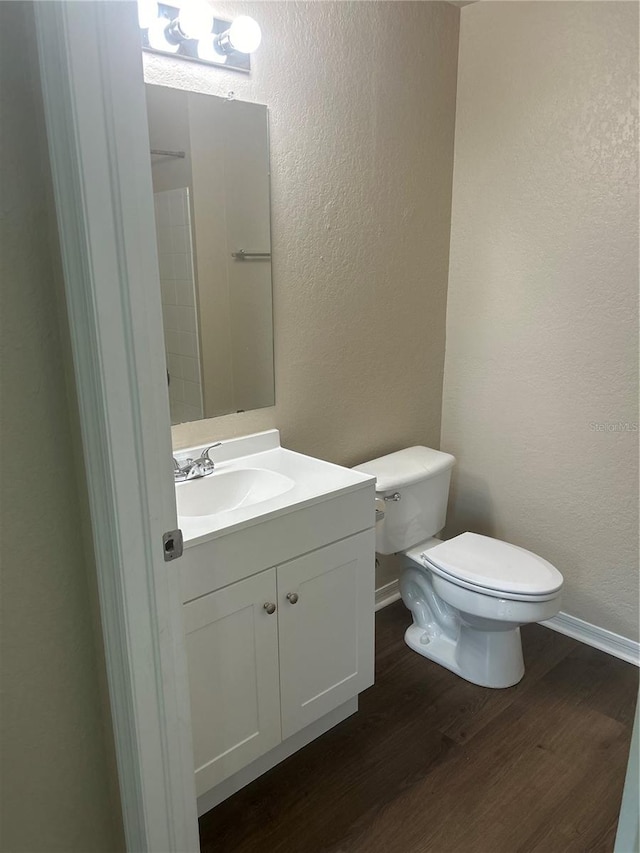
[(433, 763)]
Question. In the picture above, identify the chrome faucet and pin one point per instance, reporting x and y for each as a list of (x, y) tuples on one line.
[(193, 468)]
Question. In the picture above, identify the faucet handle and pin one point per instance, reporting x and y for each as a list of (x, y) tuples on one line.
[(179, 473), (205, 452)]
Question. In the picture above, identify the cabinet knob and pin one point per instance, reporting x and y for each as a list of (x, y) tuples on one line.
[(270, 607), (292, 597)]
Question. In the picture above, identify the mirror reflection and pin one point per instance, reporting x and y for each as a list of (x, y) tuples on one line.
[(210, 171)]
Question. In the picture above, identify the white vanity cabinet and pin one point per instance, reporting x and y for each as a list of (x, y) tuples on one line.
[(278, 587), (234, 681), (273, 653), (326, 637)]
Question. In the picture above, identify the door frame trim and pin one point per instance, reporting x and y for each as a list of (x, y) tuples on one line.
[(93, 91)]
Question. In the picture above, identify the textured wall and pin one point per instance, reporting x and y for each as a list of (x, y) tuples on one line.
[(542, 312), (362, 103), (54, 769)]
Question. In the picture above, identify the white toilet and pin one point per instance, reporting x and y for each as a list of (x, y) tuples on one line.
[(468, 595)]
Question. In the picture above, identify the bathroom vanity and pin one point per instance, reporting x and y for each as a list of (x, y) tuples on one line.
[(277, 581)]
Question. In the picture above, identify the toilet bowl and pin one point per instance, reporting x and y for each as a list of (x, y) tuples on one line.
[(469, 595)]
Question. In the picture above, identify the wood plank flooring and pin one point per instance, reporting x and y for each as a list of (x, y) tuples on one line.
[(433, 764)]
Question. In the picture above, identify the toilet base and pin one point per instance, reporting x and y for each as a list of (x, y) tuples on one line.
[(487, 658)]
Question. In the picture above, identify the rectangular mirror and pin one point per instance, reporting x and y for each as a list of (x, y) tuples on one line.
[(210, 171)]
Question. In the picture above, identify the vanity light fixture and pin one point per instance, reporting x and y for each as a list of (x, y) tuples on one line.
[(190, 31)]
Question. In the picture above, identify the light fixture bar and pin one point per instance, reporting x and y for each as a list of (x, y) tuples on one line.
[(165, 35)]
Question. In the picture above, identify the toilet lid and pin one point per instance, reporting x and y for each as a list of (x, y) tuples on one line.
[(494, 565)]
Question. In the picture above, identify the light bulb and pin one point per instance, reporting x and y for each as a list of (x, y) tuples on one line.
[(157, 36), (147, 13), (195, 19), (207, 51), (244, 34)]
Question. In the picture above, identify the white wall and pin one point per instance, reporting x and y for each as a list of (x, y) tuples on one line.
[(543, 289), (179, 303), (168, 121)]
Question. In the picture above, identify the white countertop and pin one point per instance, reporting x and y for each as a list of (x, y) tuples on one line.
[(314, 481)]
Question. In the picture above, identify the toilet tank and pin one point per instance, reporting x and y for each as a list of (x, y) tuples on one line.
[(414, 487)]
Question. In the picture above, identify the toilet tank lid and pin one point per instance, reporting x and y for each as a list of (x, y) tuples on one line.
[(405, 467)]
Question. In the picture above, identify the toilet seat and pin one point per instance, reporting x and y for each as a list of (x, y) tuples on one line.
[(492, 567)]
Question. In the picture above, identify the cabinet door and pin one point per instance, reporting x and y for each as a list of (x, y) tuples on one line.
[(326, 637), (232, 651)]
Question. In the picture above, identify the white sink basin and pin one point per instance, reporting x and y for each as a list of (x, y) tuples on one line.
[(229, 490), (255, 479)]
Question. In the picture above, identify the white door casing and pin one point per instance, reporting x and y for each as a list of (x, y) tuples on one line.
[(92, 83)]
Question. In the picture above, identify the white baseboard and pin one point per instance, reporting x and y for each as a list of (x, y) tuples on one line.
[(387, 594), (599, 638), (564, 623)]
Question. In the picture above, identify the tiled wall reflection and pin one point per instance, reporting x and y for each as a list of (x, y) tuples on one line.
[(179, 306)]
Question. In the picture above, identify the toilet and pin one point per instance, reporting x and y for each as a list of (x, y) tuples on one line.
[(468, 595)]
